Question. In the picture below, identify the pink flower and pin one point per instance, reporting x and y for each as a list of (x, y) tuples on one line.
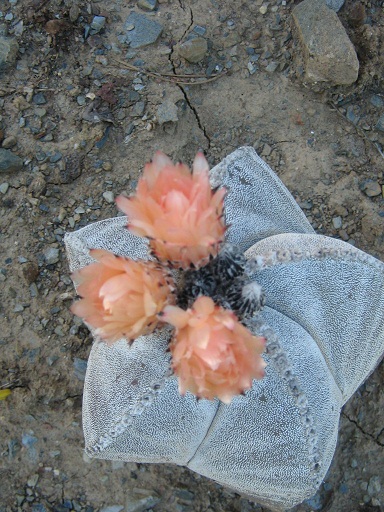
[(213, 355), (177, 211), (121, 297)]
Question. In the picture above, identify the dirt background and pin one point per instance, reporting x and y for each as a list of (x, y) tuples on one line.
[(324, 143)]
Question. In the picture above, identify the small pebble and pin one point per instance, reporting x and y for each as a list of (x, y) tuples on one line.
[(87, 459), (4, 187), (98, 23), (40, 111), (371, 188), (374, 486), (167, 112), (80, 367), (112, 508), (107, 166), (377, 101), (9, 142), (272, 66), (109, 196), (39, 99), (252, 68), (81, 100), (138, 109), (147, 5), (337, 222), (145, 30), (380, 124), (199, 30), (9, 161), (263, 9), (32, 481), (193, 50), (51, 255)]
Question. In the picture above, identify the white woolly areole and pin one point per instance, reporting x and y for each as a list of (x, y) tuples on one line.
[(252, 291), (324, 326)]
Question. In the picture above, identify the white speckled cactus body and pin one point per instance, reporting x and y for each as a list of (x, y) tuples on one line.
[(324, 324)]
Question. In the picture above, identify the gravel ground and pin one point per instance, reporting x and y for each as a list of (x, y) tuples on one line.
[(87, 94)]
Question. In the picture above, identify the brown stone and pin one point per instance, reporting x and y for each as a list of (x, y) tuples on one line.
[(193, 50), (30, 271), (38, 185), (329, 55)]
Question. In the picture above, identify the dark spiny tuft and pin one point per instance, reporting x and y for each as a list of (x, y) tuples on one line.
[(245, 297), (229, 263), (196, 283)]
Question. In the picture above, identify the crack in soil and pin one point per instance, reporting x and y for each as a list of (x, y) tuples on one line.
[(193, 109), (359, 427), (68, 397), (182, 89), (190, 22)]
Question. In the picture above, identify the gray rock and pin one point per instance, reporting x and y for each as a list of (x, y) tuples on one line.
[(4, 187), (337, 222), (72, 168), (112, 508), (167, 112), (374, 486), (29, 441), (184, 495), (9, 162), (8, 52), (136, 503), (147, 5), (39, 99), (79, 368), (108, 196), (98, 23), (272, 66), (144, 32), (32, 481), (371, 188), (199, 30), (252, 68), (81, 100), (193, 50), (74, 12), (376, 101), (51, 255), (9, 142), (138, 109), (38, 185), (335, 5), (352, 114), (329, 55), (380, 124)]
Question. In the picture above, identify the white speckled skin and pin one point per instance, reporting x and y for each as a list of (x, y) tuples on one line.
[(324, 324)]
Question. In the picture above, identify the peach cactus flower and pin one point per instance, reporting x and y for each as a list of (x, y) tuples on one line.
[(213, 354), (121, 297), (178, 211)]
